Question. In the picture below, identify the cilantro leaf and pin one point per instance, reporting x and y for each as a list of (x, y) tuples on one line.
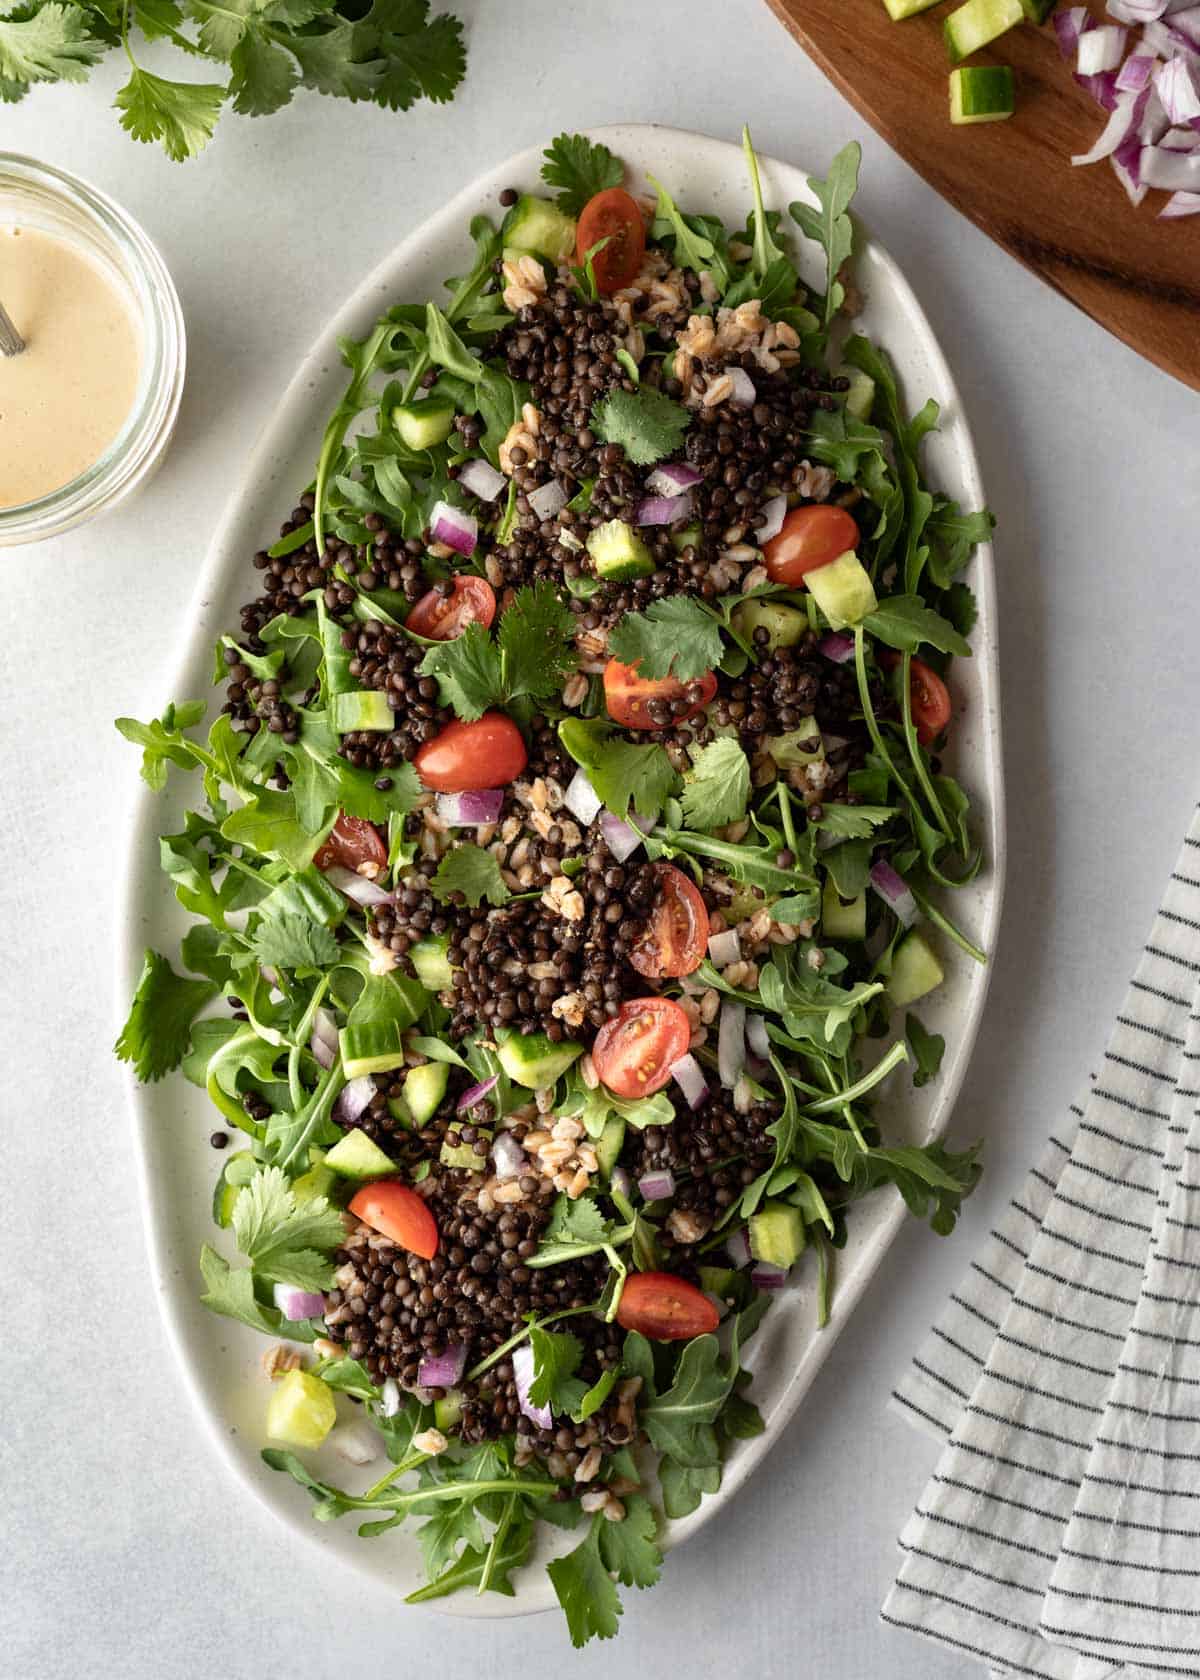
[(262, 76), (293, 940), (472, 871), (674, 637), (904, 622), (182, 115), (927, 1048), (622, 774), (156, 1036), (854, 822), (717, 787), (467, 671), (644, 423), (54, 45), (576, 1229), (422, 57), (556, 1358), (628, 1548), (585, 1589), (536, 639), (579, 168), (330, 61), (283, 1239), (829, 224), (694, 248)]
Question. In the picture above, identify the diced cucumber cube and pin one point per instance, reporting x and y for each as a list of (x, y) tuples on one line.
[(424, 1088), (843, 590), (915, 971), (301, 1410), (447, 1412), (423, 425), (237, 1172), (618, 552), (977, 23), (431, 959), (981, 93), (784, 625), (464, 1155), (533, 1060), (608, 1144), (358, 1156), (372, 1047), (539, 227), (860, 398), (777, 1235), (840, 920), (898, 10), (365, 708), (799, 746)]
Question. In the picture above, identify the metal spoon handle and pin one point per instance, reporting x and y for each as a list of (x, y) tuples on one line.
[(11, 342)]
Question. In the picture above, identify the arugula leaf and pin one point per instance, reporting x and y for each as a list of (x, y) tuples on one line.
[(933, 1180), (447, 349), (230, 1292), (163, 740), (579, 168), (596, 1395), (622, 774), (52, 45), (907, 436), (927, 1048), (585, 1589), (156, 1036), (269, 824), (952, 536), (683, 1486), (679, 1421), (500, 400), (694, 248), (646, 424), (284, 1240), (676, 636), (959, 606), (829, 224), (904, 622), (556, 1358), (594, 1106), (500, 1558), (717, 787), (472, 871), (182, 115), (766, 251)]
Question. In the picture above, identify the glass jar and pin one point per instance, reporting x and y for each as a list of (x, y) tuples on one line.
[(35, 195)]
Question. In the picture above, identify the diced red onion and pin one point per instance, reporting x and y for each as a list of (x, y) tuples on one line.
[(743, 394), (469, 810), (508, 1157), (296, 1304), (443, 1370), (1180, 204), (1187, 24), (481, 479), (1173, 171), (621, 1182), (1153, 123), (450, 525), (1178, 88), (390, 1398), (894, 890), (757, 1036), (773, 515), (837, 647), (476, 1093), (673, 478), (689, 1076), (582, 800), (548, 500), (1166, 39), (1180, 140), (323, 1054), (731, 1042), (621, 840), (354, 1099), (357, 1442), (1120, 125), (1100, 49), (724, 948), (324, 1040), (1069, 26), (1127, 165), (737, 1247), (657, 1186), (665, 510), (355, 886), (1136, 11), (522, 1364), (1102, 88), (1136, 72), (768, 1277)]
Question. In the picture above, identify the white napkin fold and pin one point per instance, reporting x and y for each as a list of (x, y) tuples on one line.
[(1057, 1535)]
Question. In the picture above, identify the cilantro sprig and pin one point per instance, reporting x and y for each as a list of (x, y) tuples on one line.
[(530, 655)]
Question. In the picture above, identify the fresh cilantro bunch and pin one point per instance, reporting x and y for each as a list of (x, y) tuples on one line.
[(392, 55)]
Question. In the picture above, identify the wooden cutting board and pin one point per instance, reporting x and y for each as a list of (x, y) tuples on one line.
[(1138, 276)]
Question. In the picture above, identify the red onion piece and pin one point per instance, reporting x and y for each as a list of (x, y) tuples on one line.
[(481, 479), (689, 1076), (1069, 26), (664, 510), (469, 810), (657, 1186), (443, 1370), (1187, 24), (673, 478), (621, 840), (621, 1182), (582, 800), (1102, 88), (1136, 11), (1179, 89), (1180, 140), (356, 887), (1180, 204), (450, 525), (508, 1157), (296, 1304), (1100, 49), (757, 1036), (1174, 171), (323, 1054), (1127, 167), (476, 1093), (731, 1042), (724, 948), (836, 647), (522, 1364), (893, 889), (324, 1040), (548, 500), (1122, 122), (737, 1246), (390, 1399), (743, 395), (768, 1277), (773, 515), (1136, 72), (354, 1099)]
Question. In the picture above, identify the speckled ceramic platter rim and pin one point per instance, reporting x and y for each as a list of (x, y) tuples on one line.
[(219, 1359)]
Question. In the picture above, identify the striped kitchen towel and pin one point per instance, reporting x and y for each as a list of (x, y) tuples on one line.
[(1056, 1537)]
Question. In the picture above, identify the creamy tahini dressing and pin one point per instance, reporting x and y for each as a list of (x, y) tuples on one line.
[(63, 401)]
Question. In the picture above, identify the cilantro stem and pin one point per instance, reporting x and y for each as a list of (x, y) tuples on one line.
[(497, 1354), (914, 747), (842, 1099)]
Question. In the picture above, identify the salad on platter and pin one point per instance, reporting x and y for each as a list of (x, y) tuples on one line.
[(570, 854)]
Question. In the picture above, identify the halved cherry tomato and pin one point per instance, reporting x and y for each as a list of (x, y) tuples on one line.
[(811, 536), (487, 753), (627, 696), (635, 1051), (665, 1308), (612, 215), (399, 1213), (930, 701), (443, 613), (351, 841), (676, 936)]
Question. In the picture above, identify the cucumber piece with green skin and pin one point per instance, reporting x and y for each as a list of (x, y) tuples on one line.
[(843, 590), (608, 1144), (465, 1155), (431, 959), (618, 552), (915, 971), (423, 425), (301, 1410), (799, 746), (860, 398), (981, 93), (1037, 11), (365, 708), (237, 1172), (840, 920), (777, 1235), (398, 1109), (533, 1060), (424, 1088), (358, 1156), (721, 1281), (898, 10), (536, 226), (977, 23), (447, 1412), (784, 625), (371, 1047), (689, 537)]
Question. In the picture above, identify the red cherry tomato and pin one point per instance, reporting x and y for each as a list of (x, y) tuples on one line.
[(811, 536), (612, 215), (676, 935), (399, 1213), (443, 614), (930, 701), (665, 1308), (635, 1051), (627, 696), (487, 753), (351, 841)]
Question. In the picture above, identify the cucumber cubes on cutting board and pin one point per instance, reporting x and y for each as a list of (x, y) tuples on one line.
[(978, 93)]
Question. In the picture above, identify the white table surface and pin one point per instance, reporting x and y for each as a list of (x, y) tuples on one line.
[(126, 1550)]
